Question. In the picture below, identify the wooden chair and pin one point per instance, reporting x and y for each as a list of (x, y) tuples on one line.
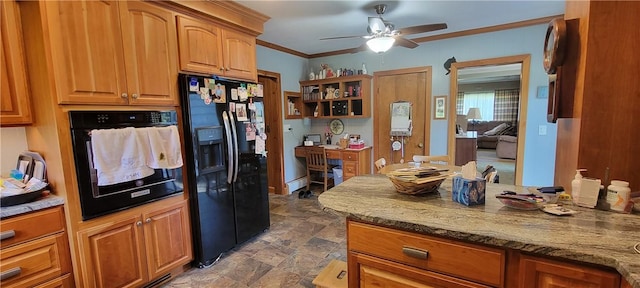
[(317, 166), (380, 163), (441, 159)]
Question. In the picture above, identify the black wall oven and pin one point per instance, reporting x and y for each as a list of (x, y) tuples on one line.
[(101, 200)]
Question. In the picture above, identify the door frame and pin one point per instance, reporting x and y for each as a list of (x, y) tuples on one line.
[(525, 61), (275, 145), (427, 121)]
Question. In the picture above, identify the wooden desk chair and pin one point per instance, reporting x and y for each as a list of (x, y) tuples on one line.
[(380, 163), (441, 159), (317, 166)]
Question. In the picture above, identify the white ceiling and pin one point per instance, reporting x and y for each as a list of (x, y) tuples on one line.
[(299, 24)]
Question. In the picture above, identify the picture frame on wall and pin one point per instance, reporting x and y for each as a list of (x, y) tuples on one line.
[(440, 107)]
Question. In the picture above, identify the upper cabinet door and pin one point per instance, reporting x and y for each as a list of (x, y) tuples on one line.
[(150, 49), (239, 55), (86, 50), (200, 47), (15, 104)]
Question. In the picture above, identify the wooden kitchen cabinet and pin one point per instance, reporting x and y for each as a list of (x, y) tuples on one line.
[(539, 272), (107, 52), (38, 252), (136, 249), (15, 105), (206, 47), (356, 162), (383, 255)]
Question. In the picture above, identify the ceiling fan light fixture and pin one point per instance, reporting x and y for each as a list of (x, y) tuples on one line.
[(380, 44)]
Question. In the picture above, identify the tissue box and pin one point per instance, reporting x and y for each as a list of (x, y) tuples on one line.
[(468, 192), (356, 145)]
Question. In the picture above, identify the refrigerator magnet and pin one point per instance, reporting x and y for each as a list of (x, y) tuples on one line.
[(232, 106), (204, 93), (234, 94), (260, 90), (220, 94), (243, 94), (194, 86), (241, 112)]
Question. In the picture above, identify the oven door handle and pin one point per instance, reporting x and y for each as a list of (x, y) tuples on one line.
[(227, 130), (235, 146)]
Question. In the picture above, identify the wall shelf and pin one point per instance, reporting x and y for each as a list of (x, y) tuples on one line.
[(294, 105), (343, 97)]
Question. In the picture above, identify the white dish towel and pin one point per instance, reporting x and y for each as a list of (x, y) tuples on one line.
[(119, 156), (164, 150)]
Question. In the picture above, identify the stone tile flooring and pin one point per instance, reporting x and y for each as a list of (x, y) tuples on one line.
[(301, 241)]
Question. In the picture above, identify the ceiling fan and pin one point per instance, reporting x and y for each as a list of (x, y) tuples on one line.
[(383, 34)]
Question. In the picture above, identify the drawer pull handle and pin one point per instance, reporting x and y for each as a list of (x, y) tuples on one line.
[(415, 252), (7, 234), (15, 271)]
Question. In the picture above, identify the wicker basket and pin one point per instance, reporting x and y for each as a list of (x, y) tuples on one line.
[(407, 182)]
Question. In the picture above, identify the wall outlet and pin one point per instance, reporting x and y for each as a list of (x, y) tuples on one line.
[(542, 129)]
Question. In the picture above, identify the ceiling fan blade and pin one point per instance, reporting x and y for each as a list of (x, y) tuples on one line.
[(376, 25), (422, 28), (344, 37), (360, 48), (404, 42)]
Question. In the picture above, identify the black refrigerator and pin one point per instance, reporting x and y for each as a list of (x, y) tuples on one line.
[(227, 180)]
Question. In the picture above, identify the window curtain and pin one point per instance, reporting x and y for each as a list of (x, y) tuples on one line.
[(482, 100), (460, 104), (506, 105)]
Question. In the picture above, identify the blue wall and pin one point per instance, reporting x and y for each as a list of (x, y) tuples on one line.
[(539, 155)]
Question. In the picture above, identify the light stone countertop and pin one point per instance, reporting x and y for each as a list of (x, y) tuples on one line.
[(590, 236), (43, 203)]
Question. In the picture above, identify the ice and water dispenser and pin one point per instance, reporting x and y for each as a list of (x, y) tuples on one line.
[(210, 149)]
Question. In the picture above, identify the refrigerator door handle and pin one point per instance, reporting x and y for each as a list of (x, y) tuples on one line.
[(235, 142), (227, 130)]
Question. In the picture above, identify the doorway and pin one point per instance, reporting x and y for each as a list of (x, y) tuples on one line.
[(273, 126), (412, 85), (495, 64)]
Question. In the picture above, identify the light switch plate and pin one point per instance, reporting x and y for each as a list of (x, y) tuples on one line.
[(542, 129)]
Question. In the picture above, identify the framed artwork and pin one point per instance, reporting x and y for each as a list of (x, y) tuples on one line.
[(440, 107)]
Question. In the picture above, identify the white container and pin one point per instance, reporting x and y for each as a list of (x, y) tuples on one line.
[(618, 195), (575, 186)]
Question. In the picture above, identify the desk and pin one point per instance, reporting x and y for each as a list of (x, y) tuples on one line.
[(354, 161), (466, 148)]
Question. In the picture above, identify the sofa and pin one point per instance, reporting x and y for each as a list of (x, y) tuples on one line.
[(507, 147), (490, 131)]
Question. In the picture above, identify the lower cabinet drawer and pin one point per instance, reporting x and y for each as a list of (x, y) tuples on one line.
[(349, 169), (32, 225), (374, 272), (333, 154), (34, 262), (467, 261), (349, 156)]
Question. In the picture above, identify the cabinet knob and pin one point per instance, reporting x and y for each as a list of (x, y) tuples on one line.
[(415, 252), (148, 220), (134, 96), (221, 68), (420, 145), (139, 223), (124, 95)]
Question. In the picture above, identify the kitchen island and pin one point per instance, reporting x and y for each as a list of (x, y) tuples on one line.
[(591, 237)]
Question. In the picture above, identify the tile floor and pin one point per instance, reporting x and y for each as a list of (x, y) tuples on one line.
[(301, 241)]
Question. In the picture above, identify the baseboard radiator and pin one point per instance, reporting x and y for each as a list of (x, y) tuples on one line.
[(296, 184)]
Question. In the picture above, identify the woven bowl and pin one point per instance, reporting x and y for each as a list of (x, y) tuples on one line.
[(412, 187)]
